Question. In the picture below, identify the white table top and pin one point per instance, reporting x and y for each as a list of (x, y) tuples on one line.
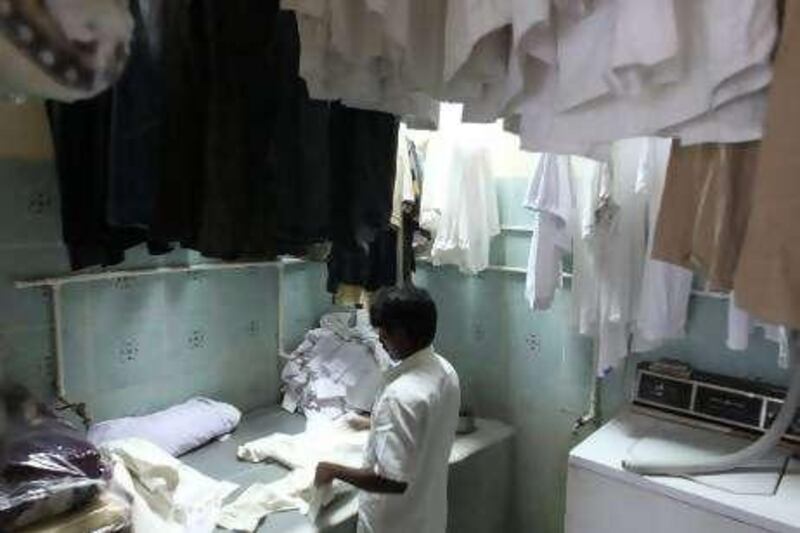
[(604, 451)]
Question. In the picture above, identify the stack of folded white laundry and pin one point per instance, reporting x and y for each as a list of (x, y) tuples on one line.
[(337, 368)]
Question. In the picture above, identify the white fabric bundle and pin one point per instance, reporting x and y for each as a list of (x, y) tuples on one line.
[(335, 442), (167, 495)]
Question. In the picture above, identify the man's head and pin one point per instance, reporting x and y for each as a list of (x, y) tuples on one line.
[(405, 318)]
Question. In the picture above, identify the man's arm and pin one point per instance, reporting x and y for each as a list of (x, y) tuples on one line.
[(361, 478)]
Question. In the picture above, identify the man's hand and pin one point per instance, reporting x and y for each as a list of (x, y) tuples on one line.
[(361, 478), (358, 422), (326, 473)]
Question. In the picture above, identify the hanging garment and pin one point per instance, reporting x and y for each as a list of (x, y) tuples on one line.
[(550, 196), (261, 185), (767, 281), (741, 325), (136, 123), (585, 104), (372, 55), (81, 139), (459, 200), (609, 250), (705, 209), (663, 303), (108, 158), (364, 148)]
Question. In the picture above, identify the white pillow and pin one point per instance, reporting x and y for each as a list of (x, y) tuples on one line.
[(177, 430)]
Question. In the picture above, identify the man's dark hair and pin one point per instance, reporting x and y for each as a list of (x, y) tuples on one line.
[(409, 310)]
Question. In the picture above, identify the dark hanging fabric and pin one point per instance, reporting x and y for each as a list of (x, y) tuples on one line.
[(137, 124), (249, 173), (210, 140), (299, 154), (363, 163), (180, 193), (370, 267), (107, 163)]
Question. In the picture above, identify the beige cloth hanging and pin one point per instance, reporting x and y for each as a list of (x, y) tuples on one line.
[(705, 208), (767, 282)]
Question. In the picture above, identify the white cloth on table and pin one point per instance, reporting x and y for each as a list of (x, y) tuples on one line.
[(296, 491), (664, 299), (412, 434), (167, 495), (177, 429), (550, 196), (333, 442), (741, 325)]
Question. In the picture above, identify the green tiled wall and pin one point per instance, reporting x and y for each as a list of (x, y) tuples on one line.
[(130, 345)]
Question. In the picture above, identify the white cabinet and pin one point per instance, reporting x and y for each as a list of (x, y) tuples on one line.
[(604, 498)]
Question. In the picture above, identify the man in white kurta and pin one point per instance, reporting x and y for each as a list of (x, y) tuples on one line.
[(404, 479)]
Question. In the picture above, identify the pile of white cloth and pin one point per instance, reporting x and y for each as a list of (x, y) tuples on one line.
[(337, 368), (571, 76), (166, 495)]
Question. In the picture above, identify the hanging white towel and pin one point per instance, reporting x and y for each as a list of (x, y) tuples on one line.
[(550, 197)]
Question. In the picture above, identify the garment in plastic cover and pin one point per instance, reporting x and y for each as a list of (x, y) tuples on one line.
[(48, 468)]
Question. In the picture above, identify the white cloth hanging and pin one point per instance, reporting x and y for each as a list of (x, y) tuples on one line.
[(723, 54), (550, 196), (664, 299), (741, 325), (609, 250), (459, 200)]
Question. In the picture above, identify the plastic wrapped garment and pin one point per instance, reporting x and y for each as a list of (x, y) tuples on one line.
[(108, 513), (62, 49), (49, 469)]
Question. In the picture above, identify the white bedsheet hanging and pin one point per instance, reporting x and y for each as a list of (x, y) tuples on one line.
[(459, 200)]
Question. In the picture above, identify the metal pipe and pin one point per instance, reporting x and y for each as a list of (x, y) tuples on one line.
[(64, 403), (756, 450), (592, 414), (117, 274)]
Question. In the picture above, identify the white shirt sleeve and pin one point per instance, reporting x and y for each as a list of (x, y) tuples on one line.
[(395, 432)]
